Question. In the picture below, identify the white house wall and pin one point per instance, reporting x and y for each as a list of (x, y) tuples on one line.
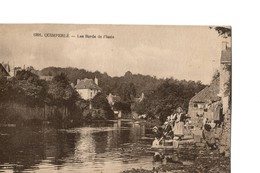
[(87, 94)]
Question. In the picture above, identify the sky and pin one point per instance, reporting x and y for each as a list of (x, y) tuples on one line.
[(181, 52)]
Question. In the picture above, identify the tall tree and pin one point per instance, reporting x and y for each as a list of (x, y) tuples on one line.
[(60, 90), (224, 32)]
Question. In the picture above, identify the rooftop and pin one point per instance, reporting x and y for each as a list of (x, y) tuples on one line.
[(3, 70), (87, 84), (209, 93)]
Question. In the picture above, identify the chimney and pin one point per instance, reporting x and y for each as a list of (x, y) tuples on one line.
[(78, 80), (96, 80), (224, 45)]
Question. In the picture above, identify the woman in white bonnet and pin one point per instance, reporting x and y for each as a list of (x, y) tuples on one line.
[(179, 120)]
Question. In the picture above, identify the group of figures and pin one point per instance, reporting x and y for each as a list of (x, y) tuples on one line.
[(211, 115), (178, 124), (174, 126)]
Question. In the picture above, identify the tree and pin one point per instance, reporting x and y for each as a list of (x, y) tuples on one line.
[(4, 89), (124, 106), (61, 92), (100, 102), (215, 75), (27, 88), (27, 75), (163, 101), (224, 32)]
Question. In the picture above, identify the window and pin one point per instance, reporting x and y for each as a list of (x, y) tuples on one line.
[(200, 106), (195, 105)]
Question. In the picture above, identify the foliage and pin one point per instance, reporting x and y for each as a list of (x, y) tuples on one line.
[(134, 84), (4, 88), (215, 76), (100, 102), (163, 101), (124, 106), (224, 32), (61, 92), (161, 96), (27, 75), (25, 88)]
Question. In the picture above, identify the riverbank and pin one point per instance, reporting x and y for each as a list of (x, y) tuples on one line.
[(191, 161), (190, 158)]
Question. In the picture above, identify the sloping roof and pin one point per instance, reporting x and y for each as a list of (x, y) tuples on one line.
[(3, 71), (209, 93), (87, 84), (226, 56), (6, 66)]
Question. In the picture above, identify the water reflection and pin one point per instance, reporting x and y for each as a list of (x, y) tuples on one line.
[(89, 148)]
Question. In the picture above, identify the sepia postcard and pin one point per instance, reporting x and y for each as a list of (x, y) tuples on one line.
[(115, 98)]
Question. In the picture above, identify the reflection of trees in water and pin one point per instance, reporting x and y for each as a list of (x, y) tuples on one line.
[(21, 145), (136, 132), (129, 133), (28, 146), (33, 146), (58, 145), (100, 141)]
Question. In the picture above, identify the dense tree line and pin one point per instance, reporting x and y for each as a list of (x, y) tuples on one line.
[(169, 95), (24, 88), (27, 88), (129, 85), (162, 96)]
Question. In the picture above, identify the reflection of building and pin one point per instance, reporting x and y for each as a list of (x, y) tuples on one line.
[(87, 88)]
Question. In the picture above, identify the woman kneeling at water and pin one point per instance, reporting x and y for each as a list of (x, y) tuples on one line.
[(209, 137)]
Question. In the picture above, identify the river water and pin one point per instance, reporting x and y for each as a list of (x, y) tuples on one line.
[(91, 148)]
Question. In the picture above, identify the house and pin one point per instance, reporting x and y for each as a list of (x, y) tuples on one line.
[(225, 76), (201, 102), (46, 78), (87, 88), (16, 69), (11, 69), (3, 71), (225, 94), (112, 99)]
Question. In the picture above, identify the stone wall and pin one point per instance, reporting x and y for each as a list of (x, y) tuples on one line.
[(225, 92)]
